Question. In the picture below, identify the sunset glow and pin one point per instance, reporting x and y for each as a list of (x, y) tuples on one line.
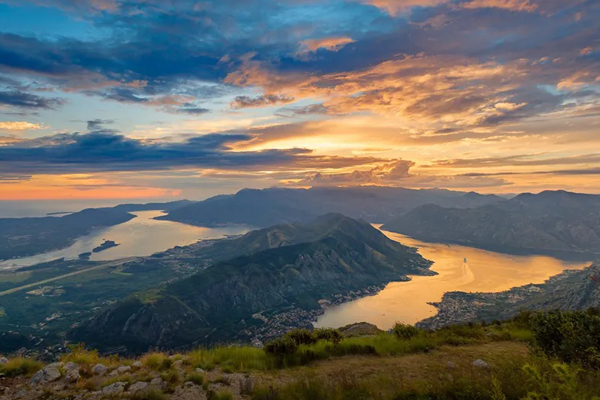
[(150, 99)]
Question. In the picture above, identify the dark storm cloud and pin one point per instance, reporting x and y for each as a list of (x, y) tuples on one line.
[(106, 151), (19, 99)]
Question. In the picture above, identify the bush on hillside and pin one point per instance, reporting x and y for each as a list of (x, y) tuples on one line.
[(523, 318), (571, 336), (282, 346), (329, 334), (404, 331), (302, 336)]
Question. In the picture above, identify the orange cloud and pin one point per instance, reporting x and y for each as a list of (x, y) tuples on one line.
[(446, 89), (329, 43), (394, 7), (515, 5), (19, 126)]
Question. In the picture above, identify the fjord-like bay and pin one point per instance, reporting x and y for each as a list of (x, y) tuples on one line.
[(459, 268)]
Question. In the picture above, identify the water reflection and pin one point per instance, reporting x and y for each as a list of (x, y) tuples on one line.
[(141, 236), (460, 268)]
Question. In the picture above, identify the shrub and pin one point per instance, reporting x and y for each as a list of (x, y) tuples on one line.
[(302, 336), (21, 366), (523, 319), (329, 334), (281, 347), (405, 331), (569, 336)]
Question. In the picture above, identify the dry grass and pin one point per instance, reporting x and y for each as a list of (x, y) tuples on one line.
[(411, 367), (20, 366)]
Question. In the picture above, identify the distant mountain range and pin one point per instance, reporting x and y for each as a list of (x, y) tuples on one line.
[(555, 222), (287, 267), (571, 290), (267, 207)]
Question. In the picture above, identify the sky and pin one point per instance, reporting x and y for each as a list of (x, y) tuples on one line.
[(159, 99)]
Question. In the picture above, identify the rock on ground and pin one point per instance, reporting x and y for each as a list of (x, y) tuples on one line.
[(138, 386), (46, 375), (114, 388), (99, 369), (122, 369)]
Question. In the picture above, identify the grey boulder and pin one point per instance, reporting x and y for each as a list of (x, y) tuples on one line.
[(46, 375), (114, 388)]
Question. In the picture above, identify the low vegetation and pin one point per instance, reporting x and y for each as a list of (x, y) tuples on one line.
[(20, 366), (569, 336), (541, 380), (550, 356)]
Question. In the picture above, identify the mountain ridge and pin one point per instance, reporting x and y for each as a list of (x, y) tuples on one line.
[(227, 295), (551, 221), (267, 207)]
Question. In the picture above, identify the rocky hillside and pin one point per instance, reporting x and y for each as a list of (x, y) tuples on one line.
[(571, 290), (553, 222), (283, 279)]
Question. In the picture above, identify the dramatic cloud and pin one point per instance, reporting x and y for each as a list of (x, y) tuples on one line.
[(107, 151), (386, 173), (397, 173), (303, 89)]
